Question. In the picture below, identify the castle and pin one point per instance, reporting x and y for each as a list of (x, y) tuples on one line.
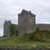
[(26, 24), (9, 29)]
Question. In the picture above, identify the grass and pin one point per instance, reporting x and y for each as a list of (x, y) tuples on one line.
[(27, 40)]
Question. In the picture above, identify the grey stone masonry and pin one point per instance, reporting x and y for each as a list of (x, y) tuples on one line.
[(7, 28), (26, 21)]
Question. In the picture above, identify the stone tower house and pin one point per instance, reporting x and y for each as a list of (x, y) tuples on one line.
[(7, 28), (26, 22)]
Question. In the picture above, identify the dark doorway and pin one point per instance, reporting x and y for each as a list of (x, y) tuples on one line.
[(16, 32)]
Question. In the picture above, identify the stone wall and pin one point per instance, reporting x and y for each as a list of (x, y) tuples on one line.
[(26, 20), (7, 28), (24, 48), (43, 27)]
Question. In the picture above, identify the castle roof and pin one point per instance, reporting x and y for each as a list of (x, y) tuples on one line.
[(26, 12)]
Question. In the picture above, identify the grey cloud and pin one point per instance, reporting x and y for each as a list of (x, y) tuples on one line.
[(42, 10)]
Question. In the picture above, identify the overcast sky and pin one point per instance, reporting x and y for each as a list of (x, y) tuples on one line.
[(9, 10)]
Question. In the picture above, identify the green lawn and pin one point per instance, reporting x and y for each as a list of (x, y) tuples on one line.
[(24, 41)]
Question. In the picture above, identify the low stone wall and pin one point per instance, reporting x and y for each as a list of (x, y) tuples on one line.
[(24, 48)]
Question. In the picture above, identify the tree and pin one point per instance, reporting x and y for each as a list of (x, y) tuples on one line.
[(12, 29)]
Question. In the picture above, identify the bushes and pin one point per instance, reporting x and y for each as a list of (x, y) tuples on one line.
[(40, 36), (12, 29)]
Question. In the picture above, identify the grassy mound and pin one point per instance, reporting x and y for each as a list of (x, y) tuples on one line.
[(36, 39)]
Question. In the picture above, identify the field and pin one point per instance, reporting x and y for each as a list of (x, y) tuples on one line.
[(37, 39)]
